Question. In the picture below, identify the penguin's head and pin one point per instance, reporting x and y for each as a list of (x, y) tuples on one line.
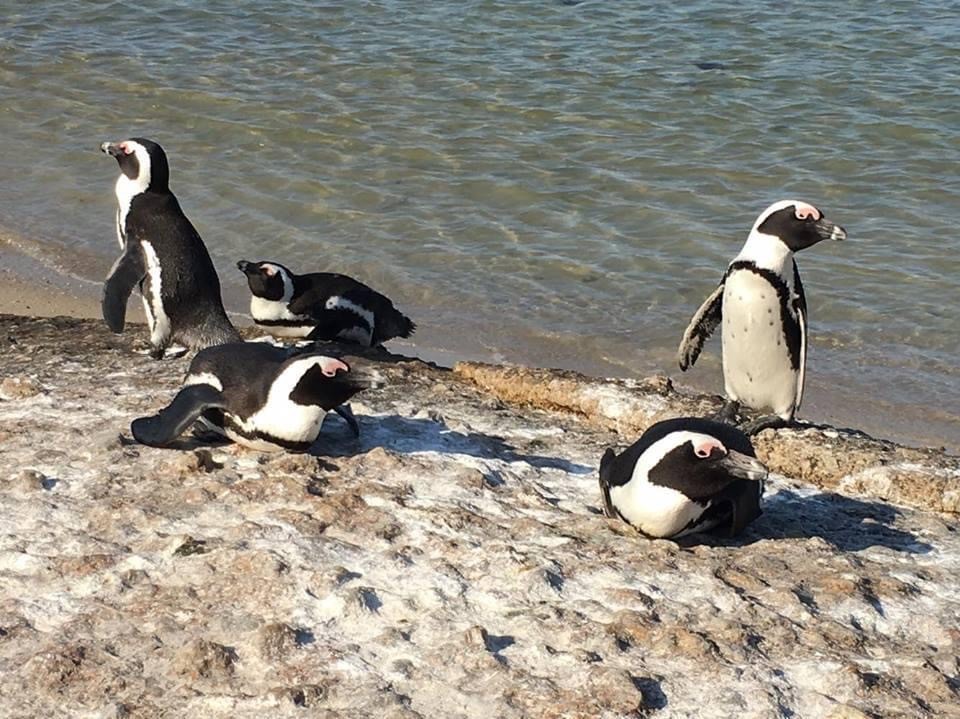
[(142, 162), (268, 280), (796, 224), (329, 382), (698, 464)]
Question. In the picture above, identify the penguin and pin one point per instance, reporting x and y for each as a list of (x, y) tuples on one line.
[(321, 306), (683, 476), (161, 253), (258, 395), (761, 303)]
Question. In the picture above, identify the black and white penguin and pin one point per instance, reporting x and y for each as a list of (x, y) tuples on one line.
[(321, 306), (258, 395), (163, 254), (682, 476), (761, 304)]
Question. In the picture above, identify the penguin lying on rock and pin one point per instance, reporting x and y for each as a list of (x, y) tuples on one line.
[(260, 396), (161, 253), (761, 303), (321, 306), (682, 476)]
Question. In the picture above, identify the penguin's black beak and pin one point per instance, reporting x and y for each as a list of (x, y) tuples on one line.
[(741, 466), (364, 374), (244, 266), (829, 231), (111, 148)]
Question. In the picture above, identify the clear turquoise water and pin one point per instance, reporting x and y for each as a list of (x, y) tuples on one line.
[(541, 182)]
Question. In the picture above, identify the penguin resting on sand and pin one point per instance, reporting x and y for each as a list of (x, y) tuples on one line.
[(321, 306), (259, 396), (682, 476), (761, 303), (161, 253)]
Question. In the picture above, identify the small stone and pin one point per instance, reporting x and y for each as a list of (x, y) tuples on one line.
[(191, 546), (276, 641), (614, 690), (202, 659), (30, 480), (12, 388), (476, 636)]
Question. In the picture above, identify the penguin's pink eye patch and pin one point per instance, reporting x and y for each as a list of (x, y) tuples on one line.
[(805, 211), (269, 270), (706, 448), (127, 148), (330, 366)]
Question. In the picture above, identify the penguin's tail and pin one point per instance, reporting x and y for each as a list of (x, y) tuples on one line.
[(396, 324), (214, 331)]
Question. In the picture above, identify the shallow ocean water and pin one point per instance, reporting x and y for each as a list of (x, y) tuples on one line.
[(553, 183)]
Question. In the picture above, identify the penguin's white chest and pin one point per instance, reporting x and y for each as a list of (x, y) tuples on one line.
[(655, 510), (756, 359)]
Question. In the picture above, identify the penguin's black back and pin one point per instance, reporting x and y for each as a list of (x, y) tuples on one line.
[(190, 288), (314, 289), (246, 371)]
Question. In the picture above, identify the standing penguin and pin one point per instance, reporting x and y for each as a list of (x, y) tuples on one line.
[(761, 303), (259, 396), (163, 254), (321, 306), (682, 476)]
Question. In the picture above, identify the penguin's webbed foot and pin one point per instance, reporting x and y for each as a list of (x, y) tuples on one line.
[(346, 412), (770, 421), (729, 413)]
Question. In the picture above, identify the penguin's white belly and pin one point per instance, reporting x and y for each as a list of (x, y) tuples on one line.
[(756, 358), (279, 419), (653, 509)]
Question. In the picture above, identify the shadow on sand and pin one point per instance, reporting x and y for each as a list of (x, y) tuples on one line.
[(407, 435), (847, 523)]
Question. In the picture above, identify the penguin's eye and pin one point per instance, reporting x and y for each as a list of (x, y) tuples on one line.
[(807, 212), (709, 451), (330, 366)]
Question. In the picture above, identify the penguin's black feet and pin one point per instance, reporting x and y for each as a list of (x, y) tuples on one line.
[(770, 421), (729, 413), (157, 353), (347, 414)]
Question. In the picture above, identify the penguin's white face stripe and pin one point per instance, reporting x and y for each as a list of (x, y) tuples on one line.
[(126, 189), (655, 509), (804, 211), (264, 309), (203, 378), (330, 366), (779, 205)]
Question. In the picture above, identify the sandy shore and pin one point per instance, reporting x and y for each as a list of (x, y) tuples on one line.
[(451, 562)]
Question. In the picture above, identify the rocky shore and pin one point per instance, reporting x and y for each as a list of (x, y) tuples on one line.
[(452, 562)]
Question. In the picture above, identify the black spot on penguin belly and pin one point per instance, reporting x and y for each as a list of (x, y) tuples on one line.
[(791, 325)]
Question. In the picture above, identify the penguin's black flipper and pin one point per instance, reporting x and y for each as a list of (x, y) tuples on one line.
[(125, 274), (170, 422), (704, 322), (606, 465)]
